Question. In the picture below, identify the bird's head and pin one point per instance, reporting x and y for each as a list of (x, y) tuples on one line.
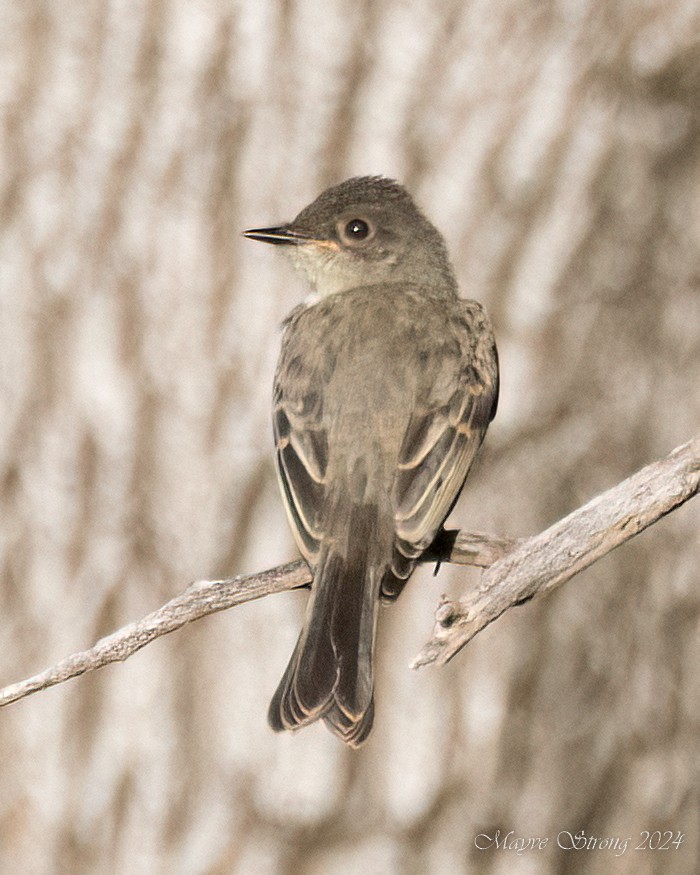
[(366, 230)]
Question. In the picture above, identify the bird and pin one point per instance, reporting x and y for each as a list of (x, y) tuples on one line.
[(385, 385)]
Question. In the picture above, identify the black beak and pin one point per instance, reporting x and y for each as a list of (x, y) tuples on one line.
[(283, 234)]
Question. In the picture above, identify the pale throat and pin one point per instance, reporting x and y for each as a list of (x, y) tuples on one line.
[(320, 264)]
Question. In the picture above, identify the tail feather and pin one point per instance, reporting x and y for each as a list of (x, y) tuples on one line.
[(353, 732), (330, 674)]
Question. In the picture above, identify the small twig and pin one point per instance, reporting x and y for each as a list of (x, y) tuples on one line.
[(469, 548), (517, 570)]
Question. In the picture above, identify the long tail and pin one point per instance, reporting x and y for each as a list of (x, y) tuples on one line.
[(330, 674)]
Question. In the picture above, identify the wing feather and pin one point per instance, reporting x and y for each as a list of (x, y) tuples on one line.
[(442, 439), (302, 459)]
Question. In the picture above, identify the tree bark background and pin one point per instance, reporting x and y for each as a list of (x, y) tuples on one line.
[(557, 146)]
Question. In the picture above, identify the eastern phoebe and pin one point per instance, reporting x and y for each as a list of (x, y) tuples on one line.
[(384, 390)]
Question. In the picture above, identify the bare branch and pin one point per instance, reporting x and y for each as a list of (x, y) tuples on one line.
[(517, 570), (209, 596), (545, 561), (198, 600)]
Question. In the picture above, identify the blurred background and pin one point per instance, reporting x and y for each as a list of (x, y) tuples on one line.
[(557, 147)]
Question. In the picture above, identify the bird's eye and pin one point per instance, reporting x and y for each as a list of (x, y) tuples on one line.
[(356, 231)]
